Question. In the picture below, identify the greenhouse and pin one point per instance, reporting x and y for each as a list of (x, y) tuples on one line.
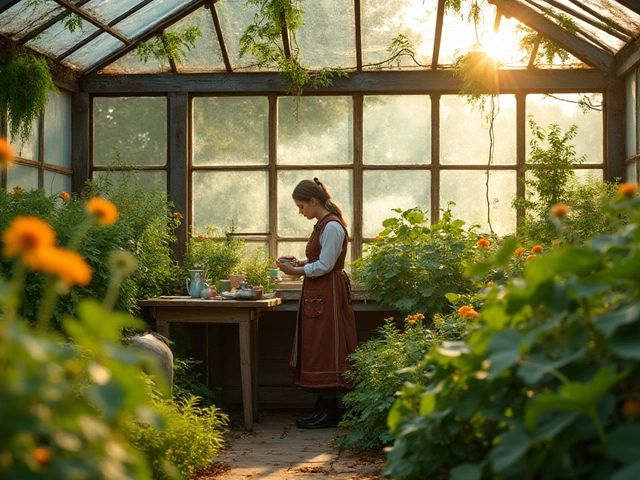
[(466, 305)]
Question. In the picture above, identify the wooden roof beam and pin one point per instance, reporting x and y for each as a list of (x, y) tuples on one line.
[(82, 14), (583, 50)]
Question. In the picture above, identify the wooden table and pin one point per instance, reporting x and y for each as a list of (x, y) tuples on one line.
[(168, 310)]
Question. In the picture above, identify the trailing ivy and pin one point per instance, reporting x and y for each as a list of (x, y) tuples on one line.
[(24, 84), (171, 46), (263, 40)]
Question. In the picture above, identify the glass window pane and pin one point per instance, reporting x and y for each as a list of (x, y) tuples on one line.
[(148, 179), (57, 129), (328, 36), (222, 197), (108, 10), (340, 186), (55, 183), (386, 190), (26, 15), (465, 135), (206, 54), (29, 150), (583, 174), (235, 17), (22, 176), (94, 51), (384, 21), (57, 39), (388, 137), (135, 127), (230, 131), (320, 132), (631, 173), (129, 63), (632, 114), (468, 190), (564, 110), (147, 17)]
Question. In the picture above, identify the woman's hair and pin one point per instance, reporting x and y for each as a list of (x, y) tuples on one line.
[(308, 189)]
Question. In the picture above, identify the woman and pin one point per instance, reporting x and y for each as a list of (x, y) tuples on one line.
[(325, 327)]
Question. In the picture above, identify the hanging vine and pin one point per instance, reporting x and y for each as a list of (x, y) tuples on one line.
[(263, 39), (169, 46), (24, 84)]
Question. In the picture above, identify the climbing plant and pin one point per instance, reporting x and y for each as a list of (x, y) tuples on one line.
[(172, 46), (24, 84), (263, 39)]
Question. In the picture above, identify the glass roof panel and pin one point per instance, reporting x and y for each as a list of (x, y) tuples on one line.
[(328, 38), (206, 55), (592, 34), (94, 51), (619, 14), (384, 21), (24, 16), (108, 10), (147, 17), (235, 17), (57, 39), (129, 63)]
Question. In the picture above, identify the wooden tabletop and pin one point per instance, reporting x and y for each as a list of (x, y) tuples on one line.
[(187, 301)]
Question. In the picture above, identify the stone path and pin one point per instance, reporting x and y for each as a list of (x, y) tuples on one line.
[(277, 450)]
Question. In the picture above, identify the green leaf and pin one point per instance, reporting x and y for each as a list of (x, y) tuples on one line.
[(466, 471), (608, 322), (626, 268), (512, 446), (624, 443), (573, 396), (538, 365), (504, 351), (552, 423), (625, 342), (629, 472)]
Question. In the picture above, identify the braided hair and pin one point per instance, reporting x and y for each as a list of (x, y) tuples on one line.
[(308, 189)]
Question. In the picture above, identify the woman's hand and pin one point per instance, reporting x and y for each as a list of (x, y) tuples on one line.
[(289, 265)]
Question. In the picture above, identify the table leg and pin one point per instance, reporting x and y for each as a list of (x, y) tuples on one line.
[(254, 362), (164, 328), (245, 373)]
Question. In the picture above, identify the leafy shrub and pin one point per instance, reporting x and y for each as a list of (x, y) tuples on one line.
[(256, 267), (548, 385), (188, 439), (412, 265), (220, 257), (145, 228), (380, 367), (187, 382), (553, 181)]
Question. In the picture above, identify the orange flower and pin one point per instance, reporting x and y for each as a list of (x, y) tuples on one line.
[(6, 152), (628, 189), (467, 311), (105, 211), (378, 237), (419, 316), (483, 242), (519, 251), (537, 249), (17, 190), (388, 319), (64, 196), (42, 455), (202, 238), (178, 215), (559, 210), (411, 320), (67, 265), (529, 258), (26, 235), (489, 283)]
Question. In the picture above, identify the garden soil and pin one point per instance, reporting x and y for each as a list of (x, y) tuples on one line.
[(277, 450)]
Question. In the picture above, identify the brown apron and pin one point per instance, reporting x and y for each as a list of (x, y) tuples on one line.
[(325, 326)]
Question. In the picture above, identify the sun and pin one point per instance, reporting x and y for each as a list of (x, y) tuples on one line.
[(503, 44)]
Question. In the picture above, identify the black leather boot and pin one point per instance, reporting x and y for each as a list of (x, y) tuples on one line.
[(316, 410), (326, 418)]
